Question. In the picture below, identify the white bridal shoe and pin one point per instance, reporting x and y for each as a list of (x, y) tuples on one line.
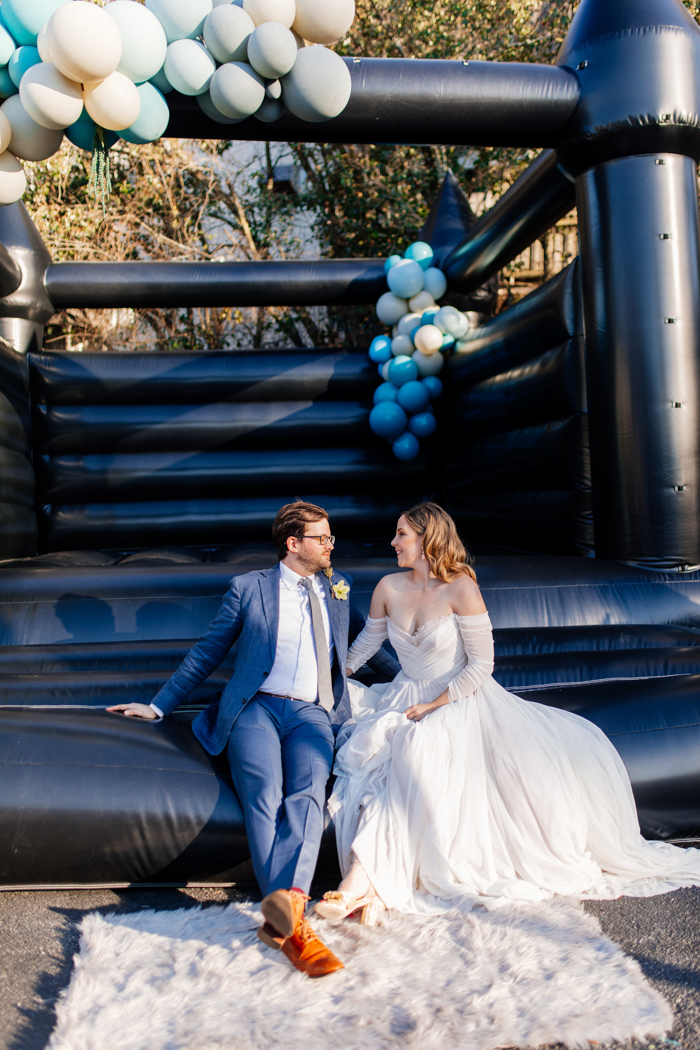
[(336, 905)]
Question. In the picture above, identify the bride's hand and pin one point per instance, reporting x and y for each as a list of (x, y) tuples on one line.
[(418, 711)]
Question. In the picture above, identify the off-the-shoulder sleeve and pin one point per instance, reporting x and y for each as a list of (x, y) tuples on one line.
[(368, 641), (477, 636)]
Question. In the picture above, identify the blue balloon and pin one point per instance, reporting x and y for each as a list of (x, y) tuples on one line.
[(152, 120), (402, 370), (420, 252), (7, 88), (388, 420), (428, 316), (413, 397), (413, 332), (380, 349), (422, 425), (20, 61), (82, 133), (433, 385), (391, 261), (24, 18), (385, 392), (406, 447)]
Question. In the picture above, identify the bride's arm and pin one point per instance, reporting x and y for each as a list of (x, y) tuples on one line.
[(370, 638), (477, 636)]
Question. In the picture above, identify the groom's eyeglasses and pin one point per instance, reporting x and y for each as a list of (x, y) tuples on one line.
[(323, 540)]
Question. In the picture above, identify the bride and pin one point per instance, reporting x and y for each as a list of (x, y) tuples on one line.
[(452, 792)]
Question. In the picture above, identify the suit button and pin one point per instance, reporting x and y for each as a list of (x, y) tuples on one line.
[(265, 674), (244, 701)]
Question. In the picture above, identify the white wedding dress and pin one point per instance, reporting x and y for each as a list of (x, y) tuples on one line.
[(490, 799)]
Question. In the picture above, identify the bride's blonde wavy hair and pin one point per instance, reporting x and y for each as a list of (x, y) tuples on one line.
[(442, 546)]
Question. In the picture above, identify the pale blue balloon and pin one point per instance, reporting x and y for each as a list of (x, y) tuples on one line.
[(22, 59), (405, 279), (385, 392), (388, 420), (161, 82), (24, 18), (423, 425), (7, 43), (152, 120), (391, 261), (181, 19), (7, 88), (420, 252), (406, 447)]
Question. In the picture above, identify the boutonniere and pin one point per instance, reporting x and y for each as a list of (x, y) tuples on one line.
[(341, 591), (328, 572)]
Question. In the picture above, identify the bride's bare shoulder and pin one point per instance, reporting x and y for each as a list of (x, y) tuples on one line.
[(394, 581), (465, 597)]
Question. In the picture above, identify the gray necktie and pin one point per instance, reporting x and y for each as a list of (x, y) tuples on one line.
[(325, 682)]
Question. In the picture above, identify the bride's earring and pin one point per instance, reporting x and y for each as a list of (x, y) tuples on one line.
[(422, 555)]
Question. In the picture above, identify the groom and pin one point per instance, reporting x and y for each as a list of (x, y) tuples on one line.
[(276, 717)]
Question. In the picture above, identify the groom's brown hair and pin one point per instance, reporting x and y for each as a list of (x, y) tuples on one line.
[(292, 520)]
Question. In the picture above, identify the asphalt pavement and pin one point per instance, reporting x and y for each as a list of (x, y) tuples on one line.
[(39, 937)]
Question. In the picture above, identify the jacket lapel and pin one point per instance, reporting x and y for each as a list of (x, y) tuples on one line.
[(337, 614), (269, 582)]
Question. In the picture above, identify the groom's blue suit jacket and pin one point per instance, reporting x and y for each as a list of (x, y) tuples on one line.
[(249, 617)]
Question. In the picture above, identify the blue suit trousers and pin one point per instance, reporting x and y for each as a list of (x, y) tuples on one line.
[(281, 753)]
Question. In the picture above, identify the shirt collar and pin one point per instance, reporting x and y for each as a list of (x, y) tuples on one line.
[(291, 578)]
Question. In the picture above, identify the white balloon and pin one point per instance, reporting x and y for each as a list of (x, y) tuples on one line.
[(29, 140), (273, 89), (13, 181), (181, 19), (299, 39), (5, 132), (323, 21), (428, 364), (49, 98), (318, 86), (237, 90), (143, 40), (42, 45), (401, 344), (435, 282), (390, 309), (270, 110), (272, 50), (283, 11), (226, 32), (115, 103), (451, 321), (189, 67), (408, 323), (421, 301), (207, 106), (84, 42), (428, 339)]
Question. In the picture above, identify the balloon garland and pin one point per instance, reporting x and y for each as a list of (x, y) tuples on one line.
[(409, 361), (97, 74)]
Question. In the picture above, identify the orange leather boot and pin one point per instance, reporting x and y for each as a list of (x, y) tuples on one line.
[(286, 928), (309, 954)]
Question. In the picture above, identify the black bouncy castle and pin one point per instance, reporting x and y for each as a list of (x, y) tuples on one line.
[(134, 486)]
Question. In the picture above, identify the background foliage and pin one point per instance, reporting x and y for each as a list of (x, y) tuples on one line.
[(205, 200)]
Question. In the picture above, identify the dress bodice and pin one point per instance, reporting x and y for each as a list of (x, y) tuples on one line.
[(434, 650)]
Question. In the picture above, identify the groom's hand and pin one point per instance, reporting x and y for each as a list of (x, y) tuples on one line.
[(137, 710)]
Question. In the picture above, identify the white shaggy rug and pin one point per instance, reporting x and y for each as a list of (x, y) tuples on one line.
[(198, 979)]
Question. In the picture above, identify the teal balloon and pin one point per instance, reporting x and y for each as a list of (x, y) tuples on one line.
[(152, 120), (433, 385), (161, 82), (20, 61), (402, 370), (7, 43), (7, 88), (413, 397), (428, 316), (391, 261), (24, 18), (388, 420), (406, 447), (385, 392), (423, 425), (380, 349), (82, 133), (447, 341), (420, 252)]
